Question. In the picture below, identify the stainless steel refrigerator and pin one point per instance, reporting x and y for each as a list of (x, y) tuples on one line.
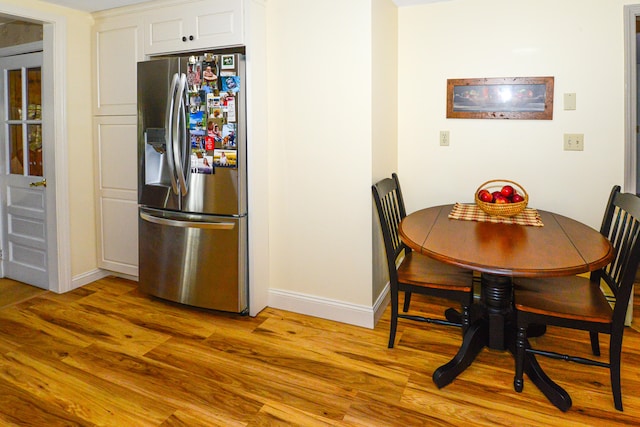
[(192, 181)]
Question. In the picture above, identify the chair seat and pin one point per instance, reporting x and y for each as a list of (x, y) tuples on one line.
[(572, 297), (420, 270)]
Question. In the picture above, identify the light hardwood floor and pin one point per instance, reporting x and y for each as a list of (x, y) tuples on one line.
[(105, 354)]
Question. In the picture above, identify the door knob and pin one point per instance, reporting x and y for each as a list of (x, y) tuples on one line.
[(42, 183)]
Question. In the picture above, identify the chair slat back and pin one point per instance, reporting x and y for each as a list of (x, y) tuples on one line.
[(621, 225), (390, 206)]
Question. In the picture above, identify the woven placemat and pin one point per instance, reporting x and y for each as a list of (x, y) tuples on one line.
[(471, 212)]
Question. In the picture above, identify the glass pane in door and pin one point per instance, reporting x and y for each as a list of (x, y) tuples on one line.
[(34, 94), (25, 121), (14, 89), (35, 149), (16, 153)]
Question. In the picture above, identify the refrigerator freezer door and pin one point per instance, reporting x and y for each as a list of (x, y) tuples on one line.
[(199, 260)]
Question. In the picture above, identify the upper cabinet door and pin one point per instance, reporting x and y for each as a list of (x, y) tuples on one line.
[(199, 25), (118, 48)]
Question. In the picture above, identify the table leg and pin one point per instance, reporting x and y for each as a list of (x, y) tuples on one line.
[(496, 296), (496, 331), (453, 315), (552, 391), (474, 341)]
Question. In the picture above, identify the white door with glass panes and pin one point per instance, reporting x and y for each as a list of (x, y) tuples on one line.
[(24, 242)]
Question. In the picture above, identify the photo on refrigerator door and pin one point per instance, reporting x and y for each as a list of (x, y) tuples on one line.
[(197, 140), (210, 72), (228, 62), (231, 84), (214, 129), (224, 158), (201, 163), (196, 120), (229, 135)]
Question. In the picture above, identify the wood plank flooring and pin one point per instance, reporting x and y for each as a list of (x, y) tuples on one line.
[(106, 354)]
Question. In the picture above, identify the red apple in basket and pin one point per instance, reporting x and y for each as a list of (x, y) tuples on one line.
[(495, 194), (507, 191), (516, 198), (500, 199), (485, 196)]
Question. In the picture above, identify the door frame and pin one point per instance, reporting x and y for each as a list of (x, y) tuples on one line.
[(54, 135)]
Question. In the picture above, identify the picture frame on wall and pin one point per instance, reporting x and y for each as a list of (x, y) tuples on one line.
[(522, 98)]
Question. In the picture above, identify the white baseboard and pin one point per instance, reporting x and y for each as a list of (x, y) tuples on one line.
[(97, 274), (381, 303), (325, 308), (88, 277)]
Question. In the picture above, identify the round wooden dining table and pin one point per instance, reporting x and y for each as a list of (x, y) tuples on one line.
[(500, 251)]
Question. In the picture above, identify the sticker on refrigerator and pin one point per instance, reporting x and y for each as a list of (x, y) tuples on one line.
[(213, 101), (224, 158), (230, 102), (209, 143)]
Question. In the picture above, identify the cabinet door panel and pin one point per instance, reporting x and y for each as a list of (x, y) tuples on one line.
[(199, 25), (164, 30), (117, 195), (117, 51), (221, 27), (119, 236), (116, 146)]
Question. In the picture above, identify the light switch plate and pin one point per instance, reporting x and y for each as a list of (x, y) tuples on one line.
[(444, 138), (574, 142), (569, 101)]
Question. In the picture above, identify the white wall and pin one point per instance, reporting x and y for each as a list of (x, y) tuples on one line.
[(579, 43), (384, 120), (319, 65), (80, 143)]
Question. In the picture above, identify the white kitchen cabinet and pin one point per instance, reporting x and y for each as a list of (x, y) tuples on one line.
[(191, 26), (127, 35), (117, 193), (118, 46)]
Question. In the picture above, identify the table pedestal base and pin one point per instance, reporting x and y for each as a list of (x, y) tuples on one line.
[(494, 329)]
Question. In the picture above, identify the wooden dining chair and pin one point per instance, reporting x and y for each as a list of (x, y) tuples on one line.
[(416, 273), (579, 303)]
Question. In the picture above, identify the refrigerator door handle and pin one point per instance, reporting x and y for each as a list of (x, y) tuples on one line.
[(188, 224), (185, 144), (179, 132), (168, 129)]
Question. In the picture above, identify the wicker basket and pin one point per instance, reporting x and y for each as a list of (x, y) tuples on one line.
[(502, 209)]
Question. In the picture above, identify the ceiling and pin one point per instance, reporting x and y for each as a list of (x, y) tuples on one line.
[(97, 5), (94, 5)]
